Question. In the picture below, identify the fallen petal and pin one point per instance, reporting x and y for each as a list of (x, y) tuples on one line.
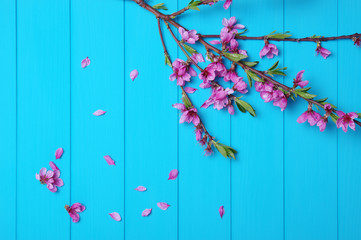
[(115, 216), (141, 189), (99, 112), (221, 211), (109, 160), (173, 174), (163, 205), (58, 153), (134, 74), (146, 212), (85, 62)]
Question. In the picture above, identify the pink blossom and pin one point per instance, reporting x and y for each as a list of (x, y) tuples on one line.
[(199, 133), (188, 36), (240, 86), (346, 120), (298, 81), (279, 99), (328, 108), (74, 211), (269, 50), (322, 123), (219, 67), (197, 57), (134, 74), (231, 24), (188, 115), (230, 109), (219, 98), (182, 72), (231, 75), (207, 75), (227, 4), (269, 93), (311, 116), (233, 48), (226, 36), (50, 177), (323, 51), (85, 62)]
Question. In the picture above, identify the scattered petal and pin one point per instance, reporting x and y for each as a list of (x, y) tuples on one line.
[(109, 160), (173, 174), (163, 205), (221, 211), (134, 74), (99, 112), (190, 89), (53, 166), (85, 62), (115, 216), (141, 189), (58, 153), (146, 212)]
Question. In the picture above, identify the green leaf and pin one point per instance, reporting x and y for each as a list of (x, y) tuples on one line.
[(189, 49), (359, 115), (239, 34), (194, 8), (303, 89), (279, 35), (321, 100), (314, 36), (250, 64), (186, 102), (240, 107), (225, 150), (245, 106), (273, 66), (334, 117), (249, 79), (167, 61), (254, 76), (235, 57), (160, 6), (305, 94)]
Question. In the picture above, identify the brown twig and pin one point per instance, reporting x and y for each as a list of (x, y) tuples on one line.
[(175, 14), (305, 39)]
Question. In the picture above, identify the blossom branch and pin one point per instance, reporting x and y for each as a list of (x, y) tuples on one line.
[(305, 39)]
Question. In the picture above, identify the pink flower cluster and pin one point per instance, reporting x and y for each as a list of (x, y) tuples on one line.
[(269, 92), (50, 177), (182, 71), (227, 36), (220, 99)]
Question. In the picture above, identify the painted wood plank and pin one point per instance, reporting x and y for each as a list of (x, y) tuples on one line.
[(97, 32), (310, 156), (257, 176), (43, 116), (150, 128), (8, 120), (204, 183), (349, 166)]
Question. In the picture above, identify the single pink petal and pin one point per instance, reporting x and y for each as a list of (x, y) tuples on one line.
[(173, 174), (163, 205), (146, 212), (221, 211), (53, 166), (78, 207), (42, 172), (134, 74), (115, 216), (75, 217), (37, 176), (85, 62), (190, 89), (141, 189), (109, 160), (99, 112), (58, 153)]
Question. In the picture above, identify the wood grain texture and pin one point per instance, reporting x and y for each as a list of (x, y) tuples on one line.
[(289, 180)]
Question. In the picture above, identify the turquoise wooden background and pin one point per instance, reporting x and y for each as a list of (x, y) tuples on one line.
[(289, 182)]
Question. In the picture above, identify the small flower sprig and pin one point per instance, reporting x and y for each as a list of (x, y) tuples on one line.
[(269, 88)]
